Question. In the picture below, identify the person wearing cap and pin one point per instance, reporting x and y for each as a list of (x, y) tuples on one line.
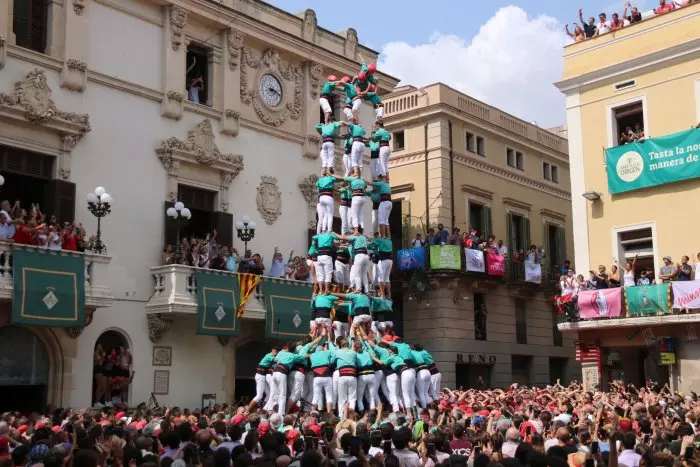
[(261, 384), (326, 95), (668, 271)]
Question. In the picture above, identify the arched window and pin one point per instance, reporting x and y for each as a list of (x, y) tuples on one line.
[(24, 370)]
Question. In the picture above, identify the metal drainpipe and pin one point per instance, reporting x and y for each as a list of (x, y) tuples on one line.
[(452, 174), (427, 196)]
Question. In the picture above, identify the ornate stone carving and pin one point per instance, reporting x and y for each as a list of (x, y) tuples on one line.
[(269, 199), (74, 333), (308, 189), (230, 124), (157, 326), (76, 65), (3, 50), (178, 19), (64, 174), (235, 41), (172, 196), (173, 105), (315, 72), (74, 75), (271, 62), (312, 146), (308, 28), (223, 340), (33, 96), (79, 6), (198, 148), (350, 43)]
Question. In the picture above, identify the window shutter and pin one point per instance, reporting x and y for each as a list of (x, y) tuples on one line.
[(37, 25), (223, 223), (561, 246), (59, 200), (512, 241), (486, 222), (21, 20), (526, 232)]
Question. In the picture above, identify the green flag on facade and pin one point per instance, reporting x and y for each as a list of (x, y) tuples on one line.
[(49, 288), (446, 257), (648, 299), (288, 305), (217, 301)]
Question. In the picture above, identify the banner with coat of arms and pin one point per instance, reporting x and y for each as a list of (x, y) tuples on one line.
[(48, 288), (218, 296), (648, 299), (288, 305)]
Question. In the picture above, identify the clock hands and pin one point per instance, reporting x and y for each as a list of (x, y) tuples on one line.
[(275, 91)]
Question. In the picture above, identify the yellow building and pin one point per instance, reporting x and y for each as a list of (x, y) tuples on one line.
[(460, 162), (646, 76)]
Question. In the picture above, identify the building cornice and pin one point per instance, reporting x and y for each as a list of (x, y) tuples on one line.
[(552, 214), (516, 203), (403, 188), (476, 191), (677, 52), (420, 114), (482, 166)]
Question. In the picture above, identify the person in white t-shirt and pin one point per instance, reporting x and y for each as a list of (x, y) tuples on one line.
[(55, 240), (42, 237), (603, 24), (418, 242)]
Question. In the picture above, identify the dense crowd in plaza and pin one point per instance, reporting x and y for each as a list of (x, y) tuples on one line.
[(553, 426)]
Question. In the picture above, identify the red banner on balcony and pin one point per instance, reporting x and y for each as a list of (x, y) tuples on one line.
[(603, 303), (587, 351), (496, 264)]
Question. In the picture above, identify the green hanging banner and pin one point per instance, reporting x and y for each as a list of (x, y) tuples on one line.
[(218, 295), (446, 257), (648, 299), (49, 288), (288, 305), (656, 161)]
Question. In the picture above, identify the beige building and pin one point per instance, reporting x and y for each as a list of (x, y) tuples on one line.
[(95, 93), (645, 76), (460, 162)]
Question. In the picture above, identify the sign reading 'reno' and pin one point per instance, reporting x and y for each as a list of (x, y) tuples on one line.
[(656, 161)]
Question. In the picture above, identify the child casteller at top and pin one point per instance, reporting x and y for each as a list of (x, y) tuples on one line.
[(359, 88)]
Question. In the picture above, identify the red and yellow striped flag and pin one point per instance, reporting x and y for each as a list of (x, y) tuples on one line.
[(247, 283)]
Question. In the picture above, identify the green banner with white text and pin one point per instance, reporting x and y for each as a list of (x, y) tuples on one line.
[(446, 257), (217, 301), (288, 305), (49, 288), (655, 161)]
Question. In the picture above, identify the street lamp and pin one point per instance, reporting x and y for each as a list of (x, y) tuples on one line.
[(99, 204), (246, 231), (180, 214)]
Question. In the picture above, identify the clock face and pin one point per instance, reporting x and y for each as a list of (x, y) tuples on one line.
[(270, 90)]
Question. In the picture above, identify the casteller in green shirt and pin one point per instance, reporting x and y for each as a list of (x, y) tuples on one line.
[(328, 131)]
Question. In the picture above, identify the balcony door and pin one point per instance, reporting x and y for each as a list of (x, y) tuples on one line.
[(24, 370), (205, 219)]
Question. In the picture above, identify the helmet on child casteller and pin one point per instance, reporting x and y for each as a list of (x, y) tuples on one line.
[(371, 68), (346, 79), (362, 76), (332, 78)]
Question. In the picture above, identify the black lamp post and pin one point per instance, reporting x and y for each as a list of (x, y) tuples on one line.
[(180, 214), (99, 204), (246, 231)]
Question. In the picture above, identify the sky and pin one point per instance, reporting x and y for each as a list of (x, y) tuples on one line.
[(505, 53)]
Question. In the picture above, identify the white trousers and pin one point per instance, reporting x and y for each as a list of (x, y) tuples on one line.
[(347, 111), (340, 329), (272, 396), (392, 385), (408, 388), (347, 165), (280, 380), (381, 326), (323, 322), (358, 272), (327, 153), (324, 208), (366, 386), (357, 154), (435, 382), (358, 320), (325, 105), (384, 154), (379, 112), (375, 221), (261, 388), (308, 386), (297, 381), (374, 166), (344, 212), (384, 212), (379, 382), (323, 391), (357, 216), (342, 273), (336, 377), (423, 387), (324, 271), (384, 270), (356, 104), (347, 394)]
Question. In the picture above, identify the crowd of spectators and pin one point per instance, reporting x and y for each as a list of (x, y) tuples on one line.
[(586, 30), (552, 426), (471, 239), (33, 227)]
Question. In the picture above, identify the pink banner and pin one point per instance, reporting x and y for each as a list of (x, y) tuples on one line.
[(604, 303), (496, 264)]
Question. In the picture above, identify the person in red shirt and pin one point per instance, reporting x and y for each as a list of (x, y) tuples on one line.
[(26, 232), (459, 445), (616, 22), (70, 237), (663, 7)]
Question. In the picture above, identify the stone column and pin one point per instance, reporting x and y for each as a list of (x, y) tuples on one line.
[(591, 375), (215, 80), (439, 174), (75, 52), (312, 80), (231, 87), (175, 54)]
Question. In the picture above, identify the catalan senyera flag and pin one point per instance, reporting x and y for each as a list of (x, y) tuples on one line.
[(247, 283)]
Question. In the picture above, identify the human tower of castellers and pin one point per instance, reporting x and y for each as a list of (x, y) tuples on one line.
[(351, 350)]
